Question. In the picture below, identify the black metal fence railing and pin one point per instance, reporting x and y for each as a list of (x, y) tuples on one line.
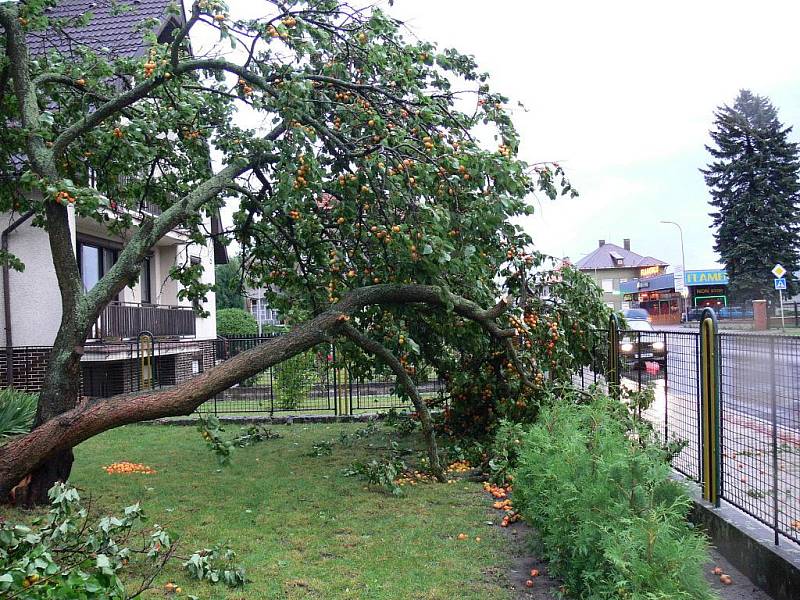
[(312, 382), (759, 413)]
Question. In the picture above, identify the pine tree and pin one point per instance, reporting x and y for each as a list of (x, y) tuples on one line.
[(753, 181)]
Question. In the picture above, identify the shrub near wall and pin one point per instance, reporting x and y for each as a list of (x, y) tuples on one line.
[(610, 517)]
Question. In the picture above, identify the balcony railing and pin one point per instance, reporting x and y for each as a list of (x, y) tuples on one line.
[(123, 320)]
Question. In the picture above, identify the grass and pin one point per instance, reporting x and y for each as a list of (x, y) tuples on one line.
[(300, 528)]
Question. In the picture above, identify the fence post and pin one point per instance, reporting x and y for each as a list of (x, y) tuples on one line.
[(774, 414), (666, 391), (710, 405), (613, 356)]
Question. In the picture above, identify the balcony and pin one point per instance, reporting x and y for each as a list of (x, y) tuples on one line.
[(124, 320)]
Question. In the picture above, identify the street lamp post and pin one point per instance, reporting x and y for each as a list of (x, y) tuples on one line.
[(683, 267)]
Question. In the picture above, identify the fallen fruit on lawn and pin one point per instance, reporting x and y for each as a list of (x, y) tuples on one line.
[(478, 539), (529, 583), (717, 571), (128, 467), (725, 579), (534, 572), (170, 587), (462, 536)]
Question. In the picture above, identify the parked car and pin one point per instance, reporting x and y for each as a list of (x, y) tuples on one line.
[(735, 312), (641, 344), (636, 314)]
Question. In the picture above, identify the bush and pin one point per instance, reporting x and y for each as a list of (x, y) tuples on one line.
[(292, 378), (504, 451), (610, 517), (17, 410), (235, 321)]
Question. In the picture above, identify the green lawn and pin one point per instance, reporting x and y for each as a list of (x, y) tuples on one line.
[(301, 529)]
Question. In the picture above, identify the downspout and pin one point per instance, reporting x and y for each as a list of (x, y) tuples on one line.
[(7, 297)]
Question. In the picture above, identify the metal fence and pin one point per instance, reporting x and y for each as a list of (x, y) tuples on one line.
[(758, 400), (313, 382)]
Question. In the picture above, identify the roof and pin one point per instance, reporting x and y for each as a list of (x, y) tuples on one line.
[(648, 284), (111, 30), (603, 258)]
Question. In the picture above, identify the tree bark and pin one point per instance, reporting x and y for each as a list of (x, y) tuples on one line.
[(22, 456), (428, 433)]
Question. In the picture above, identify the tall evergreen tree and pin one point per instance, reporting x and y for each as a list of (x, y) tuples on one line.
[(753, 181)]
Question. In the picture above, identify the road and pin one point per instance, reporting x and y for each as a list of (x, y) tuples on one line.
[(751, 367)]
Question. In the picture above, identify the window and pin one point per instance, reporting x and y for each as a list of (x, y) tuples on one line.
[(145, 282), (94, 261), (608, 285)]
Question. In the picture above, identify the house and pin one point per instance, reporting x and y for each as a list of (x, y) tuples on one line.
[(611, 265), (256, 304), (116, 358)]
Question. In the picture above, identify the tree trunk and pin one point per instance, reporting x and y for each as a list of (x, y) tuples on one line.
[(59, 394)]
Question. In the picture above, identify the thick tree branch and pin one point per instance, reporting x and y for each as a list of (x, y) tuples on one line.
[(372, 347), (22, 455)]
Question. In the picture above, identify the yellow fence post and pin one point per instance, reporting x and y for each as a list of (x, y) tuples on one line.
[(146, 376), (710, 406)]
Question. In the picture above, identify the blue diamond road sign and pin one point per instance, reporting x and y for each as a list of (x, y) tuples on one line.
[(780, 283)]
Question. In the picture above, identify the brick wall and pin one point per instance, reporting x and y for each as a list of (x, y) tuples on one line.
[(105, 378), (30, 364)]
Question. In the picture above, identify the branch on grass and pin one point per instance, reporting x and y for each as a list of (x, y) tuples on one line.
[(372, 347)]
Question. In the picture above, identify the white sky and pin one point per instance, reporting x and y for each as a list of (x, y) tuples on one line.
[(622, 94)]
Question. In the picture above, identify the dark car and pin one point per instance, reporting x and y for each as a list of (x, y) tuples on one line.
[(641, 344), (636, 314)]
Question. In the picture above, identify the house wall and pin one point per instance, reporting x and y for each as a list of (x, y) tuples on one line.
[(616, 276), (34, 294), (36, 300)]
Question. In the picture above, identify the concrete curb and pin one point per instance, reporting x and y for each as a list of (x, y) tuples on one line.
[(280, 420), (750, 547)]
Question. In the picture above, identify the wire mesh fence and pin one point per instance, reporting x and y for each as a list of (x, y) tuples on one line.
[(760, 406), (759, 379)]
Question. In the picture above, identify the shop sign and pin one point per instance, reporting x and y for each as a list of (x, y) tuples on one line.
[(713, 276), (649, 271), (709, 291)]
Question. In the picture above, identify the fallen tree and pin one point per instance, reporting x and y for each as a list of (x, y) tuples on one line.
[(22, 456), (363, 166)]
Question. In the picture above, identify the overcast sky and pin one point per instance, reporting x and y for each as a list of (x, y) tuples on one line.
[(622, 94)]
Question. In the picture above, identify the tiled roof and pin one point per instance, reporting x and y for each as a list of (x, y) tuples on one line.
[(603, 258), (117, 32)]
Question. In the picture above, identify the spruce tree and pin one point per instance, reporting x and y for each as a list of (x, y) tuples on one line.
[(753, 181)]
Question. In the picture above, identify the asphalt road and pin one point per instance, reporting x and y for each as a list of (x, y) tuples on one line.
[(754, 370)]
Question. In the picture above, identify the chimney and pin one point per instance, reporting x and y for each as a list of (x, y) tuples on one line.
[(602, 243), (627, 244)]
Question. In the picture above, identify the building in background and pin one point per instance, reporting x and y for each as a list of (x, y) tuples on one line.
[(257, 305), (708, 288), (657, 295), (610, 266)]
